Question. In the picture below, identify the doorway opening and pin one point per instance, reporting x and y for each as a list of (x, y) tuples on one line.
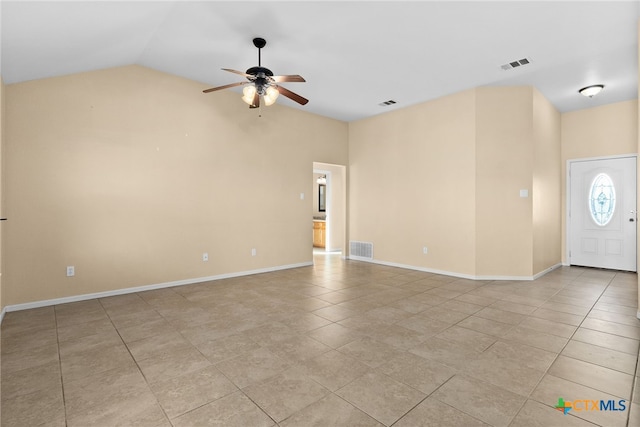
[(329, 208)]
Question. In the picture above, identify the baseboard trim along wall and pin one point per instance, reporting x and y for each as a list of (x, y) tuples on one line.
[(84, 297), (453, 274)]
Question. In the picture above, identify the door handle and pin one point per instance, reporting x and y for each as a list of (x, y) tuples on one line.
[(631, 219)]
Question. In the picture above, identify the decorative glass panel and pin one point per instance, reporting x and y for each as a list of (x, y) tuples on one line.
[(602, 199)]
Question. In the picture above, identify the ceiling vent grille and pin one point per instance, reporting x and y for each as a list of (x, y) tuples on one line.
[(385, 103), (515, 64)]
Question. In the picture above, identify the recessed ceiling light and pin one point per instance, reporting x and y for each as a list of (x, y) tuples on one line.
[(592, 90)]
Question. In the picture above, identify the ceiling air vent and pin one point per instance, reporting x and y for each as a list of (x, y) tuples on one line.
[(385, 103), (515, 64)]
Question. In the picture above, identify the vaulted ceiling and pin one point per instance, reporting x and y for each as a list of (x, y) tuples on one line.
[(354, 55)]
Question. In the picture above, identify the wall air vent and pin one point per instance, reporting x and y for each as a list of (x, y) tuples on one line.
[(385, 103), (515, 64), (360, 250)]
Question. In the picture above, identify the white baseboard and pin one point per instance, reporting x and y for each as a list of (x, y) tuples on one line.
[(454, 274), (4, 310), (84, 297)]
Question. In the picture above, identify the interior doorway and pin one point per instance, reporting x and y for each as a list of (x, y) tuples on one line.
[(329, 207)]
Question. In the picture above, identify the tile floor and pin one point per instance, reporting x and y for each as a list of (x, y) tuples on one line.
[(342, 343)]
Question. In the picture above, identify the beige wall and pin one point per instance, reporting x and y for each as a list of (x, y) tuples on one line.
[(412, 184), (447, 175), (547, 184), (596, 132), (504, 166), (130, 175)]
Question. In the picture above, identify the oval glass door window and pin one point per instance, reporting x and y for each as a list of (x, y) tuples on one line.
[(602, 199)]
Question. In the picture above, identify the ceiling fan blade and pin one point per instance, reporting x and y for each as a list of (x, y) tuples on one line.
[(224, 87), (256, 101), (291, 78), (292, 96), (242, 73)]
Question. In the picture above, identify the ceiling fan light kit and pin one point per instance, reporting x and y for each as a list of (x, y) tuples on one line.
[(261, 83)]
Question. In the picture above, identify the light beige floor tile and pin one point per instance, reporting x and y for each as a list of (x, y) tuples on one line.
[(476, 299), (507, 374), (535, 414), (558, 316), (80, 330), (537, 339), (603, 339), (29, 358), (333, 370), (486, 402), (548, 327), (612, 328), (119, 396), (634, 415), (625, 319), (399, 337), (83, 364), (381, 397), (155, 345), (298, 349), (614, 308), (369, 351), (602, 356), (335, 313), (136, 318), (433, 413), (252, 366), (476, 340), (513, 307), (594, 376), (145, 330), (424, 325), (444, 315), (422, 374), (184, 393), (331, 410), (551, 388), (24, 342), (18, 322), (30, 380), (486, 326), (503, 316), (566, 308), (227, 347), (41, 407), (410, 305), (107, 339), (171, 364), (461, 306), (450, 353), (286, 393), (334, 335)]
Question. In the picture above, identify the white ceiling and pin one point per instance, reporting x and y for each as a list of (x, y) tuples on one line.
[(354, 55)]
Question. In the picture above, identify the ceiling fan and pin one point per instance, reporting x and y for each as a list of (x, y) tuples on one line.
[(263, 84)]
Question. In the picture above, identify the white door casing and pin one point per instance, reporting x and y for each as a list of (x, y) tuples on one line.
[(602, 213)]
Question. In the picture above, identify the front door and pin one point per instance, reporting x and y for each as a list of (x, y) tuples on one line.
[(602, 213)]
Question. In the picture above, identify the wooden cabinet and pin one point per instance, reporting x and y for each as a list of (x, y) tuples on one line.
[(319, 234)]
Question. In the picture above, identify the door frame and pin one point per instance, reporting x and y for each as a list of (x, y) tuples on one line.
[(567, 202)]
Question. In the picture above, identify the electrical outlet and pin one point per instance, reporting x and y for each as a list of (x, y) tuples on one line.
[(425, 250), (254, 252), (71, 271), (205, 256)]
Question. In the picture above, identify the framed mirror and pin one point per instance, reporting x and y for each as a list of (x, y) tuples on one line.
[(322, 198)]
